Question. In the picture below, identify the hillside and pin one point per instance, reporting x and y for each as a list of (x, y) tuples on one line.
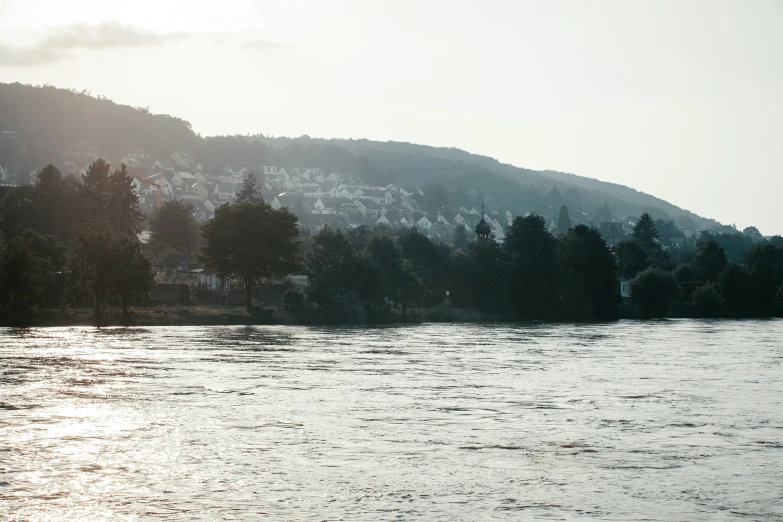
[(45, 124)]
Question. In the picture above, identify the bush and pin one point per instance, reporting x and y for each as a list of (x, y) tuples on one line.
[(653, 290), (707, 302), (293, 301)]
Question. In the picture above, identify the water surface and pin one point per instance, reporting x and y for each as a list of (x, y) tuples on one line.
[(670, 420)]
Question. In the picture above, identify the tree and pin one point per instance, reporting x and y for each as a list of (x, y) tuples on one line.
[(173, 227), (94, 189), (533, 278), (478, 276), (653, 290), (563, 221), (753, 233), (554, 198), (249, 192), (710, 260), (27, 265), (765, 268), (612, 232), (436, 198), (132, 278), (645, 233), (92, 263), (55, 207), (589, 288), (632, 258), (122, 203), (707, 302), (734, 286), (331, 266), (460, 239), (251, 241), (667, 230), (602, 214)]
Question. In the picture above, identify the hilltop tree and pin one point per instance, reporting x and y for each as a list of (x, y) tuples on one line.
[(460, 239), (563, 220), (173, 227), (554, 198), (251, 241), (645, 233), (602, 214)]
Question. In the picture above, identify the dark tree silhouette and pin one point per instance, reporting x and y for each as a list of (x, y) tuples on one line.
[(27, 265), (645, 233), (710, 260), (252, 242), (532, 282), (173, 228), (631, 258), (249, 192), (122, 203), (563, 220), (653, 290)]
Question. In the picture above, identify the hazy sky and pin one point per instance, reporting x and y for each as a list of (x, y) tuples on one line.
[(681, 99)]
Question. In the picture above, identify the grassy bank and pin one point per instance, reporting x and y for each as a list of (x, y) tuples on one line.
[(216, 315), (152, 316)]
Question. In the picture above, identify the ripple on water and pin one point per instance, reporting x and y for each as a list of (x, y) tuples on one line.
[(661, 420)]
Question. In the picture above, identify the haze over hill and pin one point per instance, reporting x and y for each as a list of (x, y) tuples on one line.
[(44, 124)]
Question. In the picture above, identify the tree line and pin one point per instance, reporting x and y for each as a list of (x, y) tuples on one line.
[(76, 243)]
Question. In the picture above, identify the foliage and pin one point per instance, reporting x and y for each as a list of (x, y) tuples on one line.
[(460, 239), (27, 266), (707, 302), (106, 264), (563, 220), (645, 233), (653, 290), (532, 281), (632, 258), (612, 232), (710, 260), (251, 242), (588, 284), (249, 192), (173, 228)]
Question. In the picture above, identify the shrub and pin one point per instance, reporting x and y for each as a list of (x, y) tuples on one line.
[(653, 290), (707, 302)]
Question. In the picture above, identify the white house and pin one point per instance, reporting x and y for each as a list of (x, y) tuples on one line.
[(383, 220), (181, 179), (225, 191), (625, 287), (424, 223)]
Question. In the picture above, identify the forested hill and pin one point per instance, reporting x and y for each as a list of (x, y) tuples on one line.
[(40, 125)]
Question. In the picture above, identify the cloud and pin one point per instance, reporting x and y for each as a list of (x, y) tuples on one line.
[(262, 45), (60, 42)]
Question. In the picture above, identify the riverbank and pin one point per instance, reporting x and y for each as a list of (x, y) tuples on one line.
[(163, 315)]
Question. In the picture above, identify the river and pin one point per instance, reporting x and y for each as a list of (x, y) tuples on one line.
[(668, 420)]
